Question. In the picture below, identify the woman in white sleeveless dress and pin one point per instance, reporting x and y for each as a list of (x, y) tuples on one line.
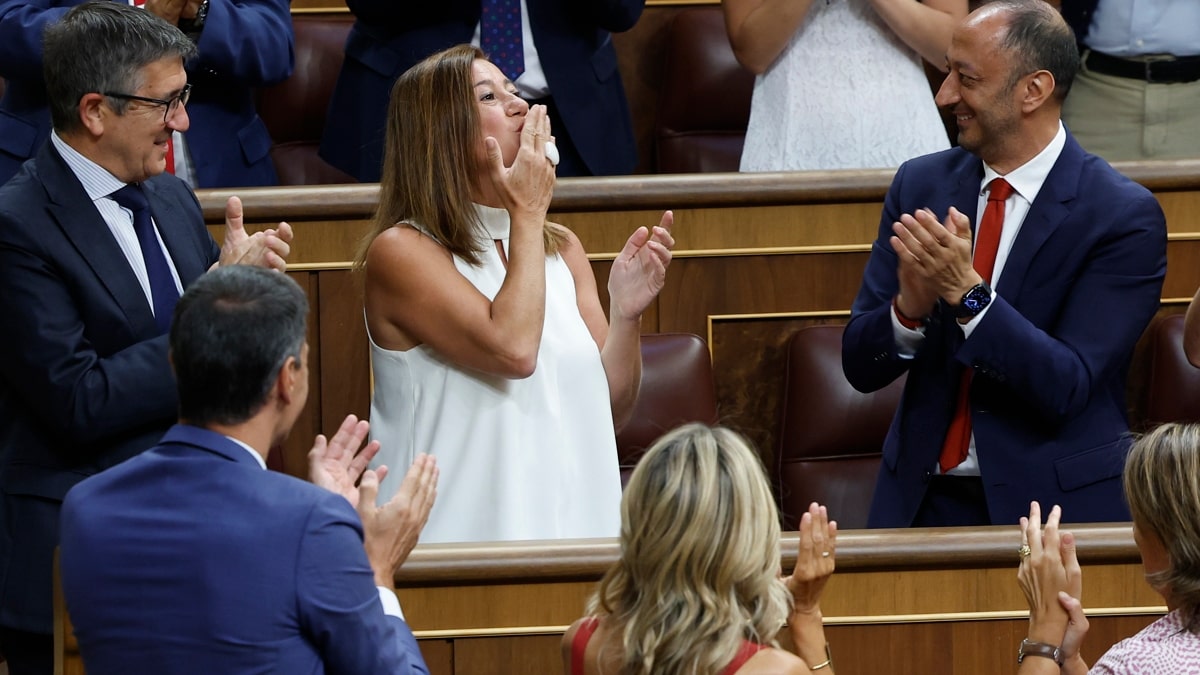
[(489, 346), (840, 82)]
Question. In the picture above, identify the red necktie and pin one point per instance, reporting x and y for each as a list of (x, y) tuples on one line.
[(958, 437), (170, 141)]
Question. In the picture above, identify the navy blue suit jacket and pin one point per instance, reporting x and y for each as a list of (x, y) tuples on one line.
[(84, 382), (574, 42), (1050, 356), (191, 558), (244, 45)]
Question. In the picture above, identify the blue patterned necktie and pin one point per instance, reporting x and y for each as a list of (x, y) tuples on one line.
[(500, 36), (162, 285)]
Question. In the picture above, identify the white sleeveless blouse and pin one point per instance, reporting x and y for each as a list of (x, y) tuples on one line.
[(533, 458)]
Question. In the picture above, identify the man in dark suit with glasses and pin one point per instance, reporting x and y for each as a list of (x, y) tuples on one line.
[(97, 243)]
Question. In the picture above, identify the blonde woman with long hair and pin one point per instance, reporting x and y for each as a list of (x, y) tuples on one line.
[(489, 345), (697, 589)]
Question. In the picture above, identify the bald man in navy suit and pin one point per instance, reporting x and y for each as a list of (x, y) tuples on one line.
[(1047, 340)]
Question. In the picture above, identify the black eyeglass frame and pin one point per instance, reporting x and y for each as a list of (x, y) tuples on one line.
[(170, 105)]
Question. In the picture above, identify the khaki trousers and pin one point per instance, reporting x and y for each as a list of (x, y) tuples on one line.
[(1121, 118)]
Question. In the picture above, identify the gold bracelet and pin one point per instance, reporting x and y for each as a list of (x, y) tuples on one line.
[(826, 663)]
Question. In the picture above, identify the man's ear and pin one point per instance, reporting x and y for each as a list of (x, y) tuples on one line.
[(1038, 89), (93, 113), (285, 380)]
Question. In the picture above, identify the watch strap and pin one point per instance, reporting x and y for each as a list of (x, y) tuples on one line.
[(1031, 648), (193, 26)]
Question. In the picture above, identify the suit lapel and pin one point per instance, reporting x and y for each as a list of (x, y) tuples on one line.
[(1047, 212), (966, 193), (172, 227), (81, 223)]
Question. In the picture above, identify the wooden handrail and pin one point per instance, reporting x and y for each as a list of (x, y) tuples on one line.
[(861, 550), (702, 190)]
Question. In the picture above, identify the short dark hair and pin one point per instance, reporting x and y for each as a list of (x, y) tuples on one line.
[(103, 46), (233, 330), (1039, 39)]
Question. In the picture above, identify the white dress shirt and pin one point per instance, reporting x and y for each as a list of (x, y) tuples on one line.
[(99, 185)]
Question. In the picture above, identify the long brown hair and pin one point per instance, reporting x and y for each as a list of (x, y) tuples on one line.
[(430, 163)]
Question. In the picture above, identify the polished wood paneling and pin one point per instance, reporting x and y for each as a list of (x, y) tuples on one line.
[(902, 601), (915, 601), (757, 257), (438, 655), (505, 655)]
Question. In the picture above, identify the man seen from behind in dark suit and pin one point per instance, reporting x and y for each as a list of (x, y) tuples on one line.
[(193, 558)]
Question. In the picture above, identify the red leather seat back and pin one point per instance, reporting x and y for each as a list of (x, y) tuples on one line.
[(677, 387), (831, 435), (704, 103), (1173, 386), (295, 110)]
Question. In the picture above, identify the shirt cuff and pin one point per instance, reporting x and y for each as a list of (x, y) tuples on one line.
[(391, 604), (908, 340)]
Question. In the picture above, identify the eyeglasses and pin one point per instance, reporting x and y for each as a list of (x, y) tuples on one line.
[(170, 104)]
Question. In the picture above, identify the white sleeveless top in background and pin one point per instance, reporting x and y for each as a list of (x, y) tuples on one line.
[(846, 93), (519, 459)]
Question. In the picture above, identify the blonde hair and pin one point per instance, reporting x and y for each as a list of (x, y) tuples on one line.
[(1162, 485), (699, 566), (431, 165)]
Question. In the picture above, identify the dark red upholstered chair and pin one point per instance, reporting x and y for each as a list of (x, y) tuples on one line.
[(2, 85), (294, 110), (1173, 386), (832, 435), (704, 103), (677, 387)]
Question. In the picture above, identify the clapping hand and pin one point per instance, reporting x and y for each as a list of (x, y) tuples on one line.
[(268, 249), (640, 269), (337, 465), (1052, 581), (935, 259), (391, 531), (815, 562)]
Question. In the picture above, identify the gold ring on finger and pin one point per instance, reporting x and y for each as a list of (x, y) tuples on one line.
[(1024, 551)]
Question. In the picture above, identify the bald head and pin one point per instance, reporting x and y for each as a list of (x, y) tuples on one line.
[(1035, 37)]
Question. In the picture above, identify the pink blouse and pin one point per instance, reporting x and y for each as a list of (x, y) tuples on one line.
[(1161, 647)]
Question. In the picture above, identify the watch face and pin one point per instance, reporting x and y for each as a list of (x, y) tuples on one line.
[(974, 301)]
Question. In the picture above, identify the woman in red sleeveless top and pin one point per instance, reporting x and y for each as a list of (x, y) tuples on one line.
[(697, 589)]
